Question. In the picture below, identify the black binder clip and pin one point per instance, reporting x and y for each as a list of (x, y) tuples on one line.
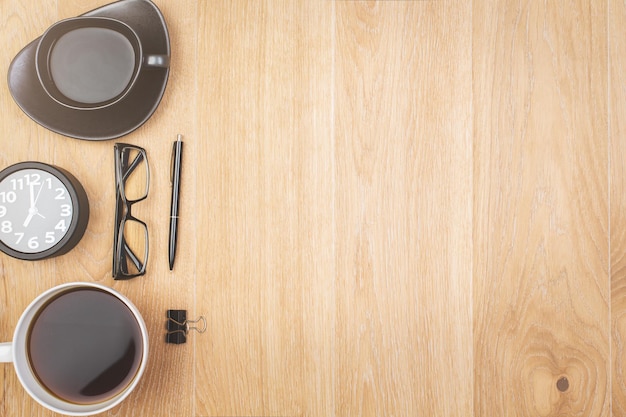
[(178, 326)]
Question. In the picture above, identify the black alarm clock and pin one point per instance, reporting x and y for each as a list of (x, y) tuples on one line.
[(44, 211)]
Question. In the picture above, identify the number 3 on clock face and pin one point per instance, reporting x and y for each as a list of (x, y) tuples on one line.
[(43, 211)]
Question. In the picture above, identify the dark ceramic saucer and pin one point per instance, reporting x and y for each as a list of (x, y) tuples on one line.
[(109, 122)]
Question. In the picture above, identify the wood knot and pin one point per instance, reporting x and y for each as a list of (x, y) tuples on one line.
[(562, 384)]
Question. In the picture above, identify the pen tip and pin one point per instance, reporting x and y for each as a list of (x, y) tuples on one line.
[(179, 138)]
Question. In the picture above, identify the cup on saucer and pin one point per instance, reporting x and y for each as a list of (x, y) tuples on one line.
[(97, 76)]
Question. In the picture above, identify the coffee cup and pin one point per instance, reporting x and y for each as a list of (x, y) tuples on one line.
[(79, 348), (89, 63)]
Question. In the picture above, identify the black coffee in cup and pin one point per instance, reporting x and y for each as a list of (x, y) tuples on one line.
[(92, 64), (85, 346)]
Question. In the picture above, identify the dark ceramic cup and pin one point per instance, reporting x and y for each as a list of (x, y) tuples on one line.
[(89, 63)]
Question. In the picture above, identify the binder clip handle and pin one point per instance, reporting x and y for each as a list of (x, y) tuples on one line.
[(178, 326)]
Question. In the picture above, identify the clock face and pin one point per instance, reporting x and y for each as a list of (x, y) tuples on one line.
[(36, 210)]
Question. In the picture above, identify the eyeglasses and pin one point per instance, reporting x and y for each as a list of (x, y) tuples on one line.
[(130, 238)]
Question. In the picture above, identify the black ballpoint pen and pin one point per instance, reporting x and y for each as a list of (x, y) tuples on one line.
[(177, 159)]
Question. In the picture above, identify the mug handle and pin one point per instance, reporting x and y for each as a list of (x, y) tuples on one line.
[(6, 352), (156, 61)]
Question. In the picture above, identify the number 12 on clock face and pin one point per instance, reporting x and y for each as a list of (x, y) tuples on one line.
[(43, 211)]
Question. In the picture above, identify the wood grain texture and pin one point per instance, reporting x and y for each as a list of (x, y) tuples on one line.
[(407, 208), (266, 280), (541, 295), (403, 210), (617, 156)]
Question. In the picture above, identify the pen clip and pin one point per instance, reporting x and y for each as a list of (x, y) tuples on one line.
[(176, 142), (172, 164)]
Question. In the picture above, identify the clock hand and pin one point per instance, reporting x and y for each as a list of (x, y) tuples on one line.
[(38, 194), (32, 196), (32, 211), (30, 216)]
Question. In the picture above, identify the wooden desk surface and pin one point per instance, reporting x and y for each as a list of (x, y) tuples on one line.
[(397, 208)]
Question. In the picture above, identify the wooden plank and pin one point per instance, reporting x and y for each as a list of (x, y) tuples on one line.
[(403, 202), (617, 156), (541, 296), (265, 255)]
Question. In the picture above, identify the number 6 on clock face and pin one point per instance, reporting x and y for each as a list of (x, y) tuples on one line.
[(44, 211)]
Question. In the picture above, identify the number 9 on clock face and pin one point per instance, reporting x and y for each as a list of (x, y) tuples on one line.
[(43, 211)]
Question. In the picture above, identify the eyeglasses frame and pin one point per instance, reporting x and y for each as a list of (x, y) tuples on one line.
[(123, 213)]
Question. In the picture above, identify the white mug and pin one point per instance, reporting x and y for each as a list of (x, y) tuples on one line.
[(21, 355)]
